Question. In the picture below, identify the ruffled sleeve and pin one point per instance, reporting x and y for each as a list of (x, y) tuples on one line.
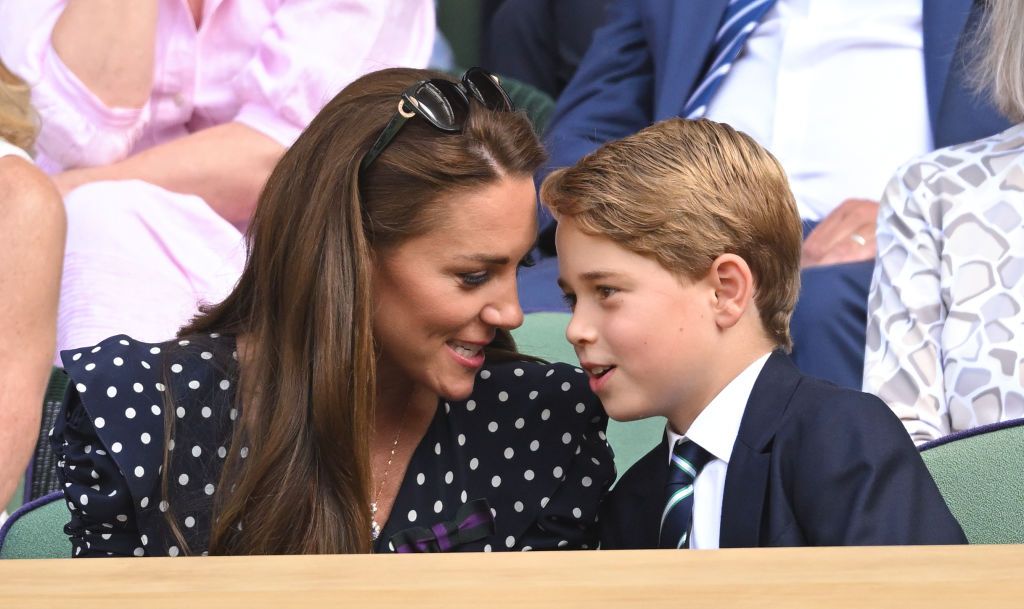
[(109, 440)]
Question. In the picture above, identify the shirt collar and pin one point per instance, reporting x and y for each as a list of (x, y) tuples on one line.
[(716, 427)]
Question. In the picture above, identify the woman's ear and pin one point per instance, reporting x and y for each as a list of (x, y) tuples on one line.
[(733, 283)]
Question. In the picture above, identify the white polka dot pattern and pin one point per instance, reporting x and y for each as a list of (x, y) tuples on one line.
[(522, 420)]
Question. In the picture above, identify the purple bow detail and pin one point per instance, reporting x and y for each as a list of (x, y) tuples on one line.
[(473, 522)]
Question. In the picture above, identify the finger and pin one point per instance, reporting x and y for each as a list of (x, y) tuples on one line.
[(859, 246)]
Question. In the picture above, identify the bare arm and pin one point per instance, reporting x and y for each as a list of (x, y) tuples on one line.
[(110, 47), (32, 225), (226, 165)]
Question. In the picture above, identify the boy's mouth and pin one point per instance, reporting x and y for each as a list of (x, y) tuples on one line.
[(599, 371)]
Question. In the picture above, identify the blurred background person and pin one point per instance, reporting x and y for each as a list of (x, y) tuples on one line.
[(945, 337), (540, 42), (32, 227), (841, 91), (162, 120)]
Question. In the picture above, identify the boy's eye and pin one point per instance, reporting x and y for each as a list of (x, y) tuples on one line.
[(570, 300), (526, 262), (474, 279), (604, 291)]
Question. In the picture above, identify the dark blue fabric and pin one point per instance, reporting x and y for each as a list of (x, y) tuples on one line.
[(830, 320), (540, 42), (813, 465), (538, 287)]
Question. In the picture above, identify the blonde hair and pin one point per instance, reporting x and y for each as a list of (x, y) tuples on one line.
[(685, 192), (17, 119), (1000, 48)]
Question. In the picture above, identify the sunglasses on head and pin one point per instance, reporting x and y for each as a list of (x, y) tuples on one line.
[(442, 103)]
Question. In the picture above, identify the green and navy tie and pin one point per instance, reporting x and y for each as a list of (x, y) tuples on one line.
[(687, 461)]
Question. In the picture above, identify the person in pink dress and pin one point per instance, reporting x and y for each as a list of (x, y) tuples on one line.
[(161, 120)]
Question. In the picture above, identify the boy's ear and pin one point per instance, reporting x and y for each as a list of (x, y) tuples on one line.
[(733, 283)]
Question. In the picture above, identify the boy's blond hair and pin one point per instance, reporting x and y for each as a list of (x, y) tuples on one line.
[(685, 192), (17, 119)]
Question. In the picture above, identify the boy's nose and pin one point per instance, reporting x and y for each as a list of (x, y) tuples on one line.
[(579, 331)]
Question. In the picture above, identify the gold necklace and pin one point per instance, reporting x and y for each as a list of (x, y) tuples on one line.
[(375, 527)]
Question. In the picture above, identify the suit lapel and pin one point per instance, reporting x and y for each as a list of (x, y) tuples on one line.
[(943, 23), (690, 32), (746, 482)]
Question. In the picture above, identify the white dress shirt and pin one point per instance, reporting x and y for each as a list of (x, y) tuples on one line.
[(715, 430), (835, 89)]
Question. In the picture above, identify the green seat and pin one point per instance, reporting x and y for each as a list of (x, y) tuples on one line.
[(36, 530), (980, 473), (543, 335)]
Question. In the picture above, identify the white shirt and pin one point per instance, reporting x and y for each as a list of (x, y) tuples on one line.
[(835, 89), (9, 149), (715, 430)]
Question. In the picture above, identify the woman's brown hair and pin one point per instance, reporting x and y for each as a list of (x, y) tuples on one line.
[(17, 119), (304, 305)]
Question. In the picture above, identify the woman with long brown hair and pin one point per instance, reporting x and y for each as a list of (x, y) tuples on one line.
[(32, 226), (358, 391)]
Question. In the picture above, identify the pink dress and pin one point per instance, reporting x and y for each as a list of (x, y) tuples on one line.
[(140, 258)]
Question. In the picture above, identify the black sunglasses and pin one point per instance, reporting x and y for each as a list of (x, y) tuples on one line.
[(442, 103)]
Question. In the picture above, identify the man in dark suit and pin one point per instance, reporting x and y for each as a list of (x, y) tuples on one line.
[(813, 465), (842, 94), (679, 252)]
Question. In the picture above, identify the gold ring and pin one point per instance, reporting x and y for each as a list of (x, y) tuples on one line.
[(858, 239)]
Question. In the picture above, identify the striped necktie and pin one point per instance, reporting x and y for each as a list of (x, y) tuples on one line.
[(741, 17), (687, 461)]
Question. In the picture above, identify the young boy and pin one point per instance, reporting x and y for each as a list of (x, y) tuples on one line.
[(679, 253)]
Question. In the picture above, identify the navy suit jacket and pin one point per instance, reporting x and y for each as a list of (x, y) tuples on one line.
[(649, 56), (813, 465)]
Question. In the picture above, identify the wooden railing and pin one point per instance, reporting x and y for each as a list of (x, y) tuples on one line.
[(986, 577)]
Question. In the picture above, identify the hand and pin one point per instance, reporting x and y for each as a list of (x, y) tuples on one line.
[(845, 235)]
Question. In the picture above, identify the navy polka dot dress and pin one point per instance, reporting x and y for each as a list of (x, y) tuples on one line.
[(521, 464)]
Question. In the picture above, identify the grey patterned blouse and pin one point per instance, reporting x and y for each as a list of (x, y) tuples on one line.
[(945, 339)]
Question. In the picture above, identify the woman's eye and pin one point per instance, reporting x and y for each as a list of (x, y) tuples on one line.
[(604, 291), (570, 301), (527, 262), (474, 279)]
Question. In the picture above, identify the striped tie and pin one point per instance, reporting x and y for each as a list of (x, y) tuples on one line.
[(741, 17), (687, 461)]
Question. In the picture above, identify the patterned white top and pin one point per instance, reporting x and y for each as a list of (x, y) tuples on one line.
[(945, 338)]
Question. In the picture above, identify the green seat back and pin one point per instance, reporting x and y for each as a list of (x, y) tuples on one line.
[(543, 335), (37, 530), (981, 477), (460, 21)]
